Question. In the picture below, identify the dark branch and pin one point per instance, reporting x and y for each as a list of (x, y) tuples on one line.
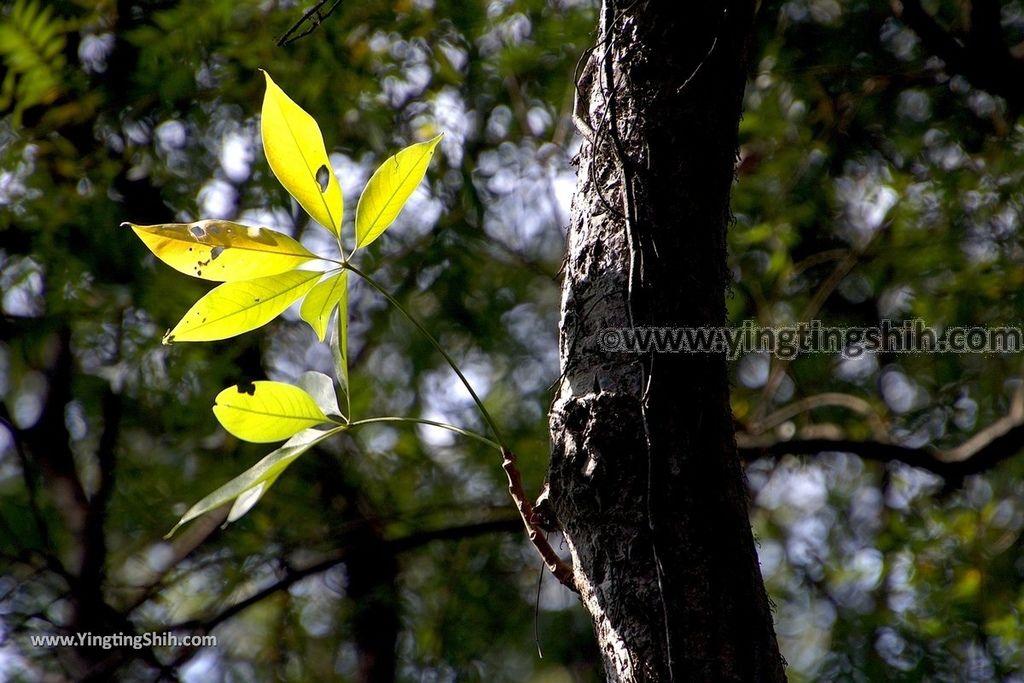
[(951, 465), (94, 552), (313, 17), (454, 533), (47, 441), (50, 557), (988, 447)]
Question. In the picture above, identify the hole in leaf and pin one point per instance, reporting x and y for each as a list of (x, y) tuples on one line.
[(197, 231), (323, 177), (217, 251), (247, 388)]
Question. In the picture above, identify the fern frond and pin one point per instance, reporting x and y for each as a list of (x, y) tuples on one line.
[(32, 44)]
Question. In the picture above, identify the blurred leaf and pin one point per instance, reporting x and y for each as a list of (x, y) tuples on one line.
[(390, 188), (221, 250), (237, 307), (295, 151)]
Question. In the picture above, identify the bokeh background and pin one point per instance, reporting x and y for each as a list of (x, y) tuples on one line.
[(874, 181)]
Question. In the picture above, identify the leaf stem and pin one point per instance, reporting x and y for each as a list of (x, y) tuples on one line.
[(341, 249), (443, 425), (451, 362), (561, 570), (341, 363)]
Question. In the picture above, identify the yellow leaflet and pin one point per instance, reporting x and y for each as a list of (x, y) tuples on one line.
[(266, 411), (249, 486), (316, 310), (221, 250), (297, 156), (390, 188), (321, 300), (236, 307)]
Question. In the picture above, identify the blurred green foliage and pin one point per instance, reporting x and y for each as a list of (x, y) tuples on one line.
[(872, 183)]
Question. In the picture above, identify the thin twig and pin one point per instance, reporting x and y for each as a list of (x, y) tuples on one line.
[(313, 17), (515, 483)]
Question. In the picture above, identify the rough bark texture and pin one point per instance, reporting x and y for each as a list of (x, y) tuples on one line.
[(644, 476)]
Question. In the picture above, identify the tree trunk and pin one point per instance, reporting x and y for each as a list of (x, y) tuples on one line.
[(644, 478)]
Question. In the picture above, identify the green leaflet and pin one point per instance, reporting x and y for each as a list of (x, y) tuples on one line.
[(247, 488)]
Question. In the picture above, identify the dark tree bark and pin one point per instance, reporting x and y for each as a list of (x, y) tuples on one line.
[(645, 480), (371, 564)]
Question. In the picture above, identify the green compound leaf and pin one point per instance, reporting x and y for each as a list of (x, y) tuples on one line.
[(221, 250), (390, 188), (295, 151), (237, 307), (266, 411)]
